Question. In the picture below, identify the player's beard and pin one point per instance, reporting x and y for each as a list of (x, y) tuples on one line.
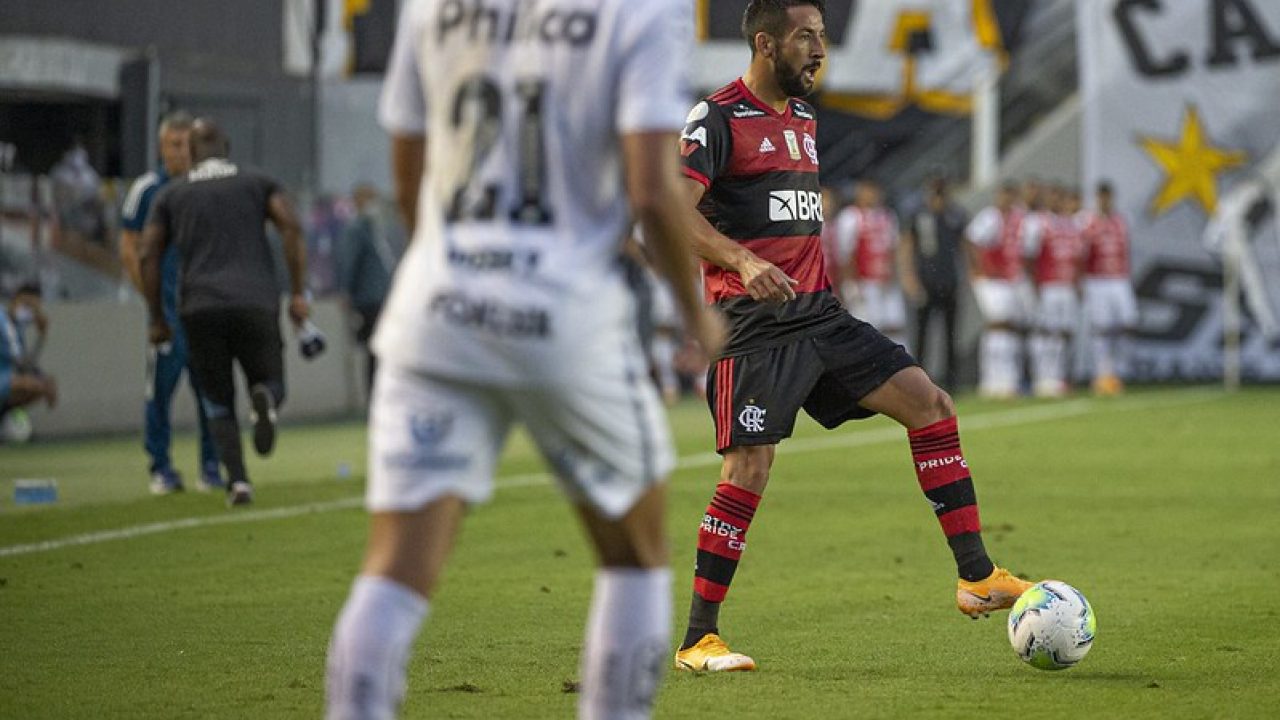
[(791, 79)]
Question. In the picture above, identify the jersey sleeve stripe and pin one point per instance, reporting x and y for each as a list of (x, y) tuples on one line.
[(695, 175), (129, 211)]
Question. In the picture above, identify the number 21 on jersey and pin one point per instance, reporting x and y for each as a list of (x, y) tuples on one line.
[(481, 104)]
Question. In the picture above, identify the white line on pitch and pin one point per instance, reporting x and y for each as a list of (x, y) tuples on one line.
[(982, 421)]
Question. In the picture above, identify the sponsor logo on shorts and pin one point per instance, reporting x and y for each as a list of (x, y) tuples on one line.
[(712, 525), (491, 316), (941, 463), (427, 433), (752, 418)]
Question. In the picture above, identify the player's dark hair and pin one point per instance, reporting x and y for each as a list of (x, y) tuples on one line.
[(30, 287), (770, 16), (1104, 187), (208, 141)]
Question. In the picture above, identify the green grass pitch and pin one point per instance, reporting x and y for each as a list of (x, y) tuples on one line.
[(1163, 507)]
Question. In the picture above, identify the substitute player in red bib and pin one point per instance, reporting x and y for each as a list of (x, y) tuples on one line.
[(751, 159), (1054, 253), (866, 240), (994, 247), (1109, 303)]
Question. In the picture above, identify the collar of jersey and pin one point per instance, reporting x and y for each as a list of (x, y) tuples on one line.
[(750, 96)]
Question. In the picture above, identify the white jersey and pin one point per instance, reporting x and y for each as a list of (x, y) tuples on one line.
[(523, 208)]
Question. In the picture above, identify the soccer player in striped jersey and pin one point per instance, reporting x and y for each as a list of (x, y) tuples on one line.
[(751, 164)]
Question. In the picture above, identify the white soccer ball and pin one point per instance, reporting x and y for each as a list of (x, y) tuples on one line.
[(1052, 625)]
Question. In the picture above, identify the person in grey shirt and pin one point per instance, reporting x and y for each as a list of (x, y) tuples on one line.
[(216, 215), (367, 258)]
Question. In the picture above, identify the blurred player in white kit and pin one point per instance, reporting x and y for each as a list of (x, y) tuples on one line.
[(520, 133)]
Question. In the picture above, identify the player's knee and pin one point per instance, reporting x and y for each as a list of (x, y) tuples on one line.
[(749, 473), (942, 404), (643, 553)]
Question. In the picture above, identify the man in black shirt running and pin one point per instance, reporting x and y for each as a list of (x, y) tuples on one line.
[(230, 301)]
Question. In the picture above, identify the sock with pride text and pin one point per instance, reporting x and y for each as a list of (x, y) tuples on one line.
[(944, 478), (721, 539)]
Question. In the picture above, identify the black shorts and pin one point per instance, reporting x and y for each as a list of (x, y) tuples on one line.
[(754, 397)]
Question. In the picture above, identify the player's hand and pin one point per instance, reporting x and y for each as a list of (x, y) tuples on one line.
[(708, 328), (765, 282), (160, 333), (299, 309)]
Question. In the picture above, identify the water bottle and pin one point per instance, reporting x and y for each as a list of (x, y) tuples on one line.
[(311, 341)]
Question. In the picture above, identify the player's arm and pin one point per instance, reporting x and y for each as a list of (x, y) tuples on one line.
[(907, 274), (761, 279), (1030, 236), (283, 216), (843, 246), (652, 177), (980, 232), (408, 160), (135, 210), (130, 258), (402, 112), (155, 238)]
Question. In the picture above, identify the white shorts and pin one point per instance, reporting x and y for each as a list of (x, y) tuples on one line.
[(881, 304), (605, 437), (1110, 304), (1058, 309), (1005, 302)]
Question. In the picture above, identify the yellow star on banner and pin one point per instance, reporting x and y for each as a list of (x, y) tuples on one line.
[(1191, 166)]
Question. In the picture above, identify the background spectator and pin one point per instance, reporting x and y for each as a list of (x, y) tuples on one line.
[(367, 258), (930, 265)]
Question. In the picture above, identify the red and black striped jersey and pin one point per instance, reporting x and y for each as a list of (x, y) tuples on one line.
[(760, 168)]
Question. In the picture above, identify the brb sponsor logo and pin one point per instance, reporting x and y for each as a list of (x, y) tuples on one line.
[(793, 205), (712, 525), (938, 463), (752, 418)]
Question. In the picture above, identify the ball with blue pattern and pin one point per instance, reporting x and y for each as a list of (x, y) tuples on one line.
[(1052, 626)]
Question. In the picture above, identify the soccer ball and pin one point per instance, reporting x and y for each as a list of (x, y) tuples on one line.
[(1051, 627)]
